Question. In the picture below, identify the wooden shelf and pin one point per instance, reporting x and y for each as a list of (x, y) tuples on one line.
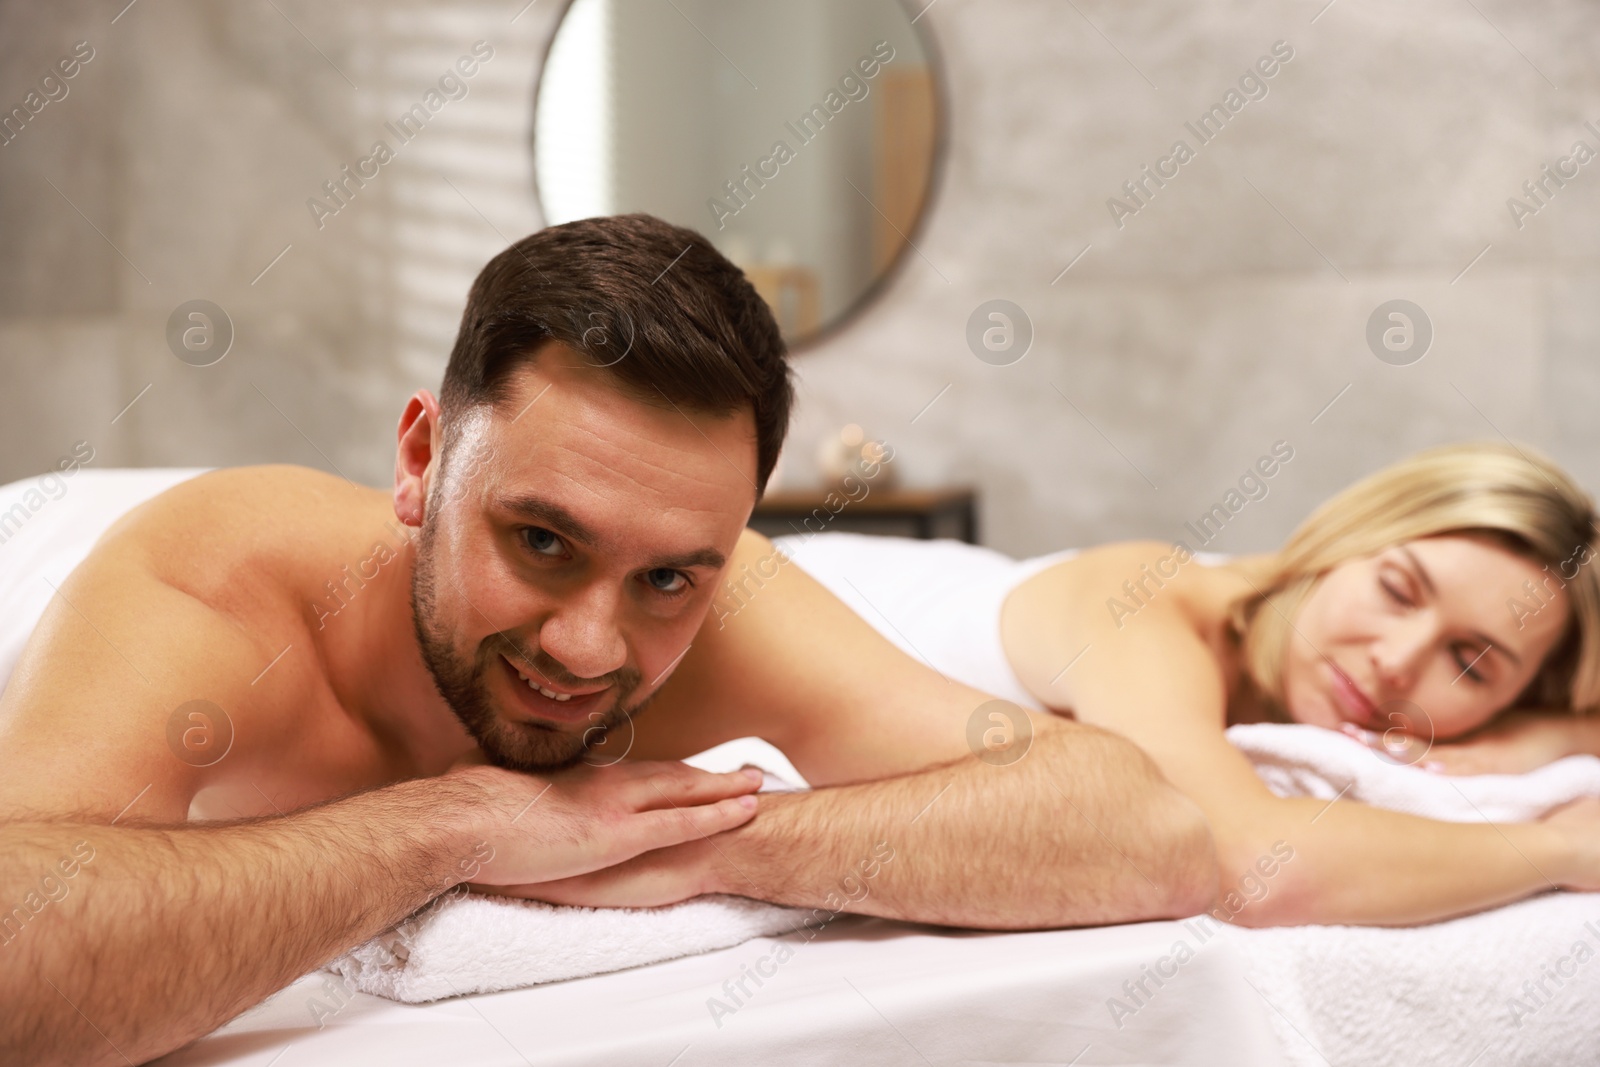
[(925, 513)]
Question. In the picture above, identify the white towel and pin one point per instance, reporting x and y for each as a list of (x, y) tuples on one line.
[(1308, 761), (1448, 994), (470, 943)]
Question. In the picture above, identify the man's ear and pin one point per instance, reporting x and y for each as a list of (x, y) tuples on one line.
[(416, 458)]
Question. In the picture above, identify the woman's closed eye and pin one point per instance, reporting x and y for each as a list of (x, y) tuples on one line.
[(1395, 593), (1465, 656), (1466, 659)]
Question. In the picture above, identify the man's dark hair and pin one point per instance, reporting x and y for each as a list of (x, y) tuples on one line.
[(656, 305)]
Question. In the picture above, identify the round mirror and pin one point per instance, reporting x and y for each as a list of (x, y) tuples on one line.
[(800, 138)]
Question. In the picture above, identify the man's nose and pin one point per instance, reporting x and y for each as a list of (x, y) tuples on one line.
[(582, 633)]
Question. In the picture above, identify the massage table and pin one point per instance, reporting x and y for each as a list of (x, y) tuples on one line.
[(1489, 988), (862, 991)]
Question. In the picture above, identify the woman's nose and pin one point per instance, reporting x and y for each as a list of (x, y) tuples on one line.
[(1398, 655)]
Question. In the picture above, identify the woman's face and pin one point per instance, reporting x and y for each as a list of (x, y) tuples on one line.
[(1422, 637)]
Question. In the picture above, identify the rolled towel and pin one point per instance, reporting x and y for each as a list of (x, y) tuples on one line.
[(1308, 761), (470, 943)]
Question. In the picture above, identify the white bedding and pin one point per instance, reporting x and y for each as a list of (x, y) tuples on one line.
[(865, 991), (1447, 995)]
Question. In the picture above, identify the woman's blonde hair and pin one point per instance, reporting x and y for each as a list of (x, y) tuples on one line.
[(1511, 494)]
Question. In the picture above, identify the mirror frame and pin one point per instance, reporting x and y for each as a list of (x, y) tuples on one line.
[(937, 162)]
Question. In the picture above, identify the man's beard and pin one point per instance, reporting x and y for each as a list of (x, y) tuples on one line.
[(519, 746)]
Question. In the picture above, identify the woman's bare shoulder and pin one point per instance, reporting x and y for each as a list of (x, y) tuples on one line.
[(1103, 569), (1104, 590)]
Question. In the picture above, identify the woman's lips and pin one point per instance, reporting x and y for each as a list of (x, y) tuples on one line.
[(576, 709), (1351, 700)]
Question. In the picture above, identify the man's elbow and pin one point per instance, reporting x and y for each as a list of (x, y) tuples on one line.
[(1182, 854), (1157, 856)]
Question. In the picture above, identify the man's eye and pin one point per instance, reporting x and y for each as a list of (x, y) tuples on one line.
[(666, 580), (542, 541)]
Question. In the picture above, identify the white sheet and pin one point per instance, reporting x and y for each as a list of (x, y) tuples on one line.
[(948, 616), (938, 601), (1445, 995), (865, 991)]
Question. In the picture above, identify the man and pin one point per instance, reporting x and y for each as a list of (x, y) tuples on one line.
[(399, 708)]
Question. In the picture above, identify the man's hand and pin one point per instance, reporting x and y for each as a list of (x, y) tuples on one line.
[(564, 825), (652, 880)]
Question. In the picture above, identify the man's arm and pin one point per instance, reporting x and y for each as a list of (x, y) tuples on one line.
[(1081, 830), (160, 934)]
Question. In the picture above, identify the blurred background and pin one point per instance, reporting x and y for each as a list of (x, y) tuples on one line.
[(989, 253)]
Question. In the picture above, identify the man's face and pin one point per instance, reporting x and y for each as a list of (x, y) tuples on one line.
[(571, 547)]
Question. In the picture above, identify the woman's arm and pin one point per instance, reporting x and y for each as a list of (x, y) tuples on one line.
[(1514, 743), (1158, 683)]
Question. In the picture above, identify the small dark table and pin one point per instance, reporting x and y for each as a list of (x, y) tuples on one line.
[(923, 513)]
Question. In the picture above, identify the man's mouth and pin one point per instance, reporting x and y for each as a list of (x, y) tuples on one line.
[(559, 702), (1355, 704)]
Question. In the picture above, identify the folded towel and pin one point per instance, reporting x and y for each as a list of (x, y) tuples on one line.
[(1308, 761), (469, 943), (1514, 985)]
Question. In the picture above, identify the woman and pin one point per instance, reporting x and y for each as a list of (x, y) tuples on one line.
[(1446, 597)]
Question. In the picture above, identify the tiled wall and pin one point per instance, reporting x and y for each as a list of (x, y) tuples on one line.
[(1222, 315)]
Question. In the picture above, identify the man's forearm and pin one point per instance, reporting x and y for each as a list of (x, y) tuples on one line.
[(165, 933), (1081, 830)]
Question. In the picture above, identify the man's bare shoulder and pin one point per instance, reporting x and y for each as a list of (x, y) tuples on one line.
[(246, 539), (187, 597), (787, 660), (213, 529)]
